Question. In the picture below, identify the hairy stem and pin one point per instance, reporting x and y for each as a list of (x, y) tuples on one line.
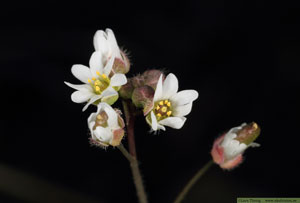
[(191, 183), (131, 156)]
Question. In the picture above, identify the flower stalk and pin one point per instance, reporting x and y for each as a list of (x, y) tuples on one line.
[(192, 182), (131, 156)]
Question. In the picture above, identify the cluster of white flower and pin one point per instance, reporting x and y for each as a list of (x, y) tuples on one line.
[(153, 92), (104, 80)]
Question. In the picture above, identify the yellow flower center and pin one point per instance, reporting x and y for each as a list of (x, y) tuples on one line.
[(99, 84), (162, 109)]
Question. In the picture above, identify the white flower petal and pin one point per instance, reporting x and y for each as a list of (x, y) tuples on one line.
[(184, 97), (118, 79), (153, 121), (112, 117), (91, 120), (113, 43), (109, 91), (81, 87), (81, 72), (173, 122), (183, 110), (96, 63), (81, 96), (158, 90), (233, 149), (103, 134), (160, 127), (91, 125), (170, 86), (92, 100), (109, 65), (101, 43), (228, 138)]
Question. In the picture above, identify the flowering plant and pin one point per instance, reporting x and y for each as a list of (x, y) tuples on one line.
[(156, 95)]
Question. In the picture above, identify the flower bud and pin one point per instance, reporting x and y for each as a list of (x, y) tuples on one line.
[(138, 81), (121, 65), (151, 77), (228, 149), (142, 96), (106, 126), (126, 90)]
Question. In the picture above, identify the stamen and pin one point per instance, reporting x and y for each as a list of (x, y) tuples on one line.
[(89, 81), (93, 78), (98, 73), (166, 101), (169, 113), (97, 82), (158, 115), (164, 109), (161, 103), (97, 88), (169, 104), (157, 107)]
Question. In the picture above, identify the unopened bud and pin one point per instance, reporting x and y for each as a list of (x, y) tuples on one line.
[(121, 65), (151, 77), (126, 90), (138, 81), (142, 96)]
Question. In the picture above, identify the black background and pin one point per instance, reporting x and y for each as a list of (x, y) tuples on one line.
[(241, 56)]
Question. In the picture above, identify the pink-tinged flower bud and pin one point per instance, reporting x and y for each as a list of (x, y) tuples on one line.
[(151, 77), (126, 90), (121, 65), (228, 149), (106, 126), (142, 96), (138, 81)]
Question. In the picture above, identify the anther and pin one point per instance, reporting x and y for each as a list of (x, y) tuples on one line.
[(98, 73), (157, 107), (99, 117), (169, 113), (93, 78), (166, 101), (97, 83), (158, 115), (89, 81), (104, 76), (169, 104), (161, 103), (164, 109), (97, 88)]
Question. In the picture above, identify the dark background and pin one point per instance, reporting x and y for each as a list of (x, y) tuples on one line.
[(241, 56)]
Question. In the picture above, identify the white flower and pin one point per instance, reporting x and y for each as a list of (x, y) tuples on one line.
[(106, 44), (169, 106), (228, 149), (98, 85), (106, 126), (232, 146)]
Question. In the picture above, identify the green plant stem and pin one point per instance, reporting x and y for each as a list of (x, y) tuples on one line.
[(190, 184), (131, 155)]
